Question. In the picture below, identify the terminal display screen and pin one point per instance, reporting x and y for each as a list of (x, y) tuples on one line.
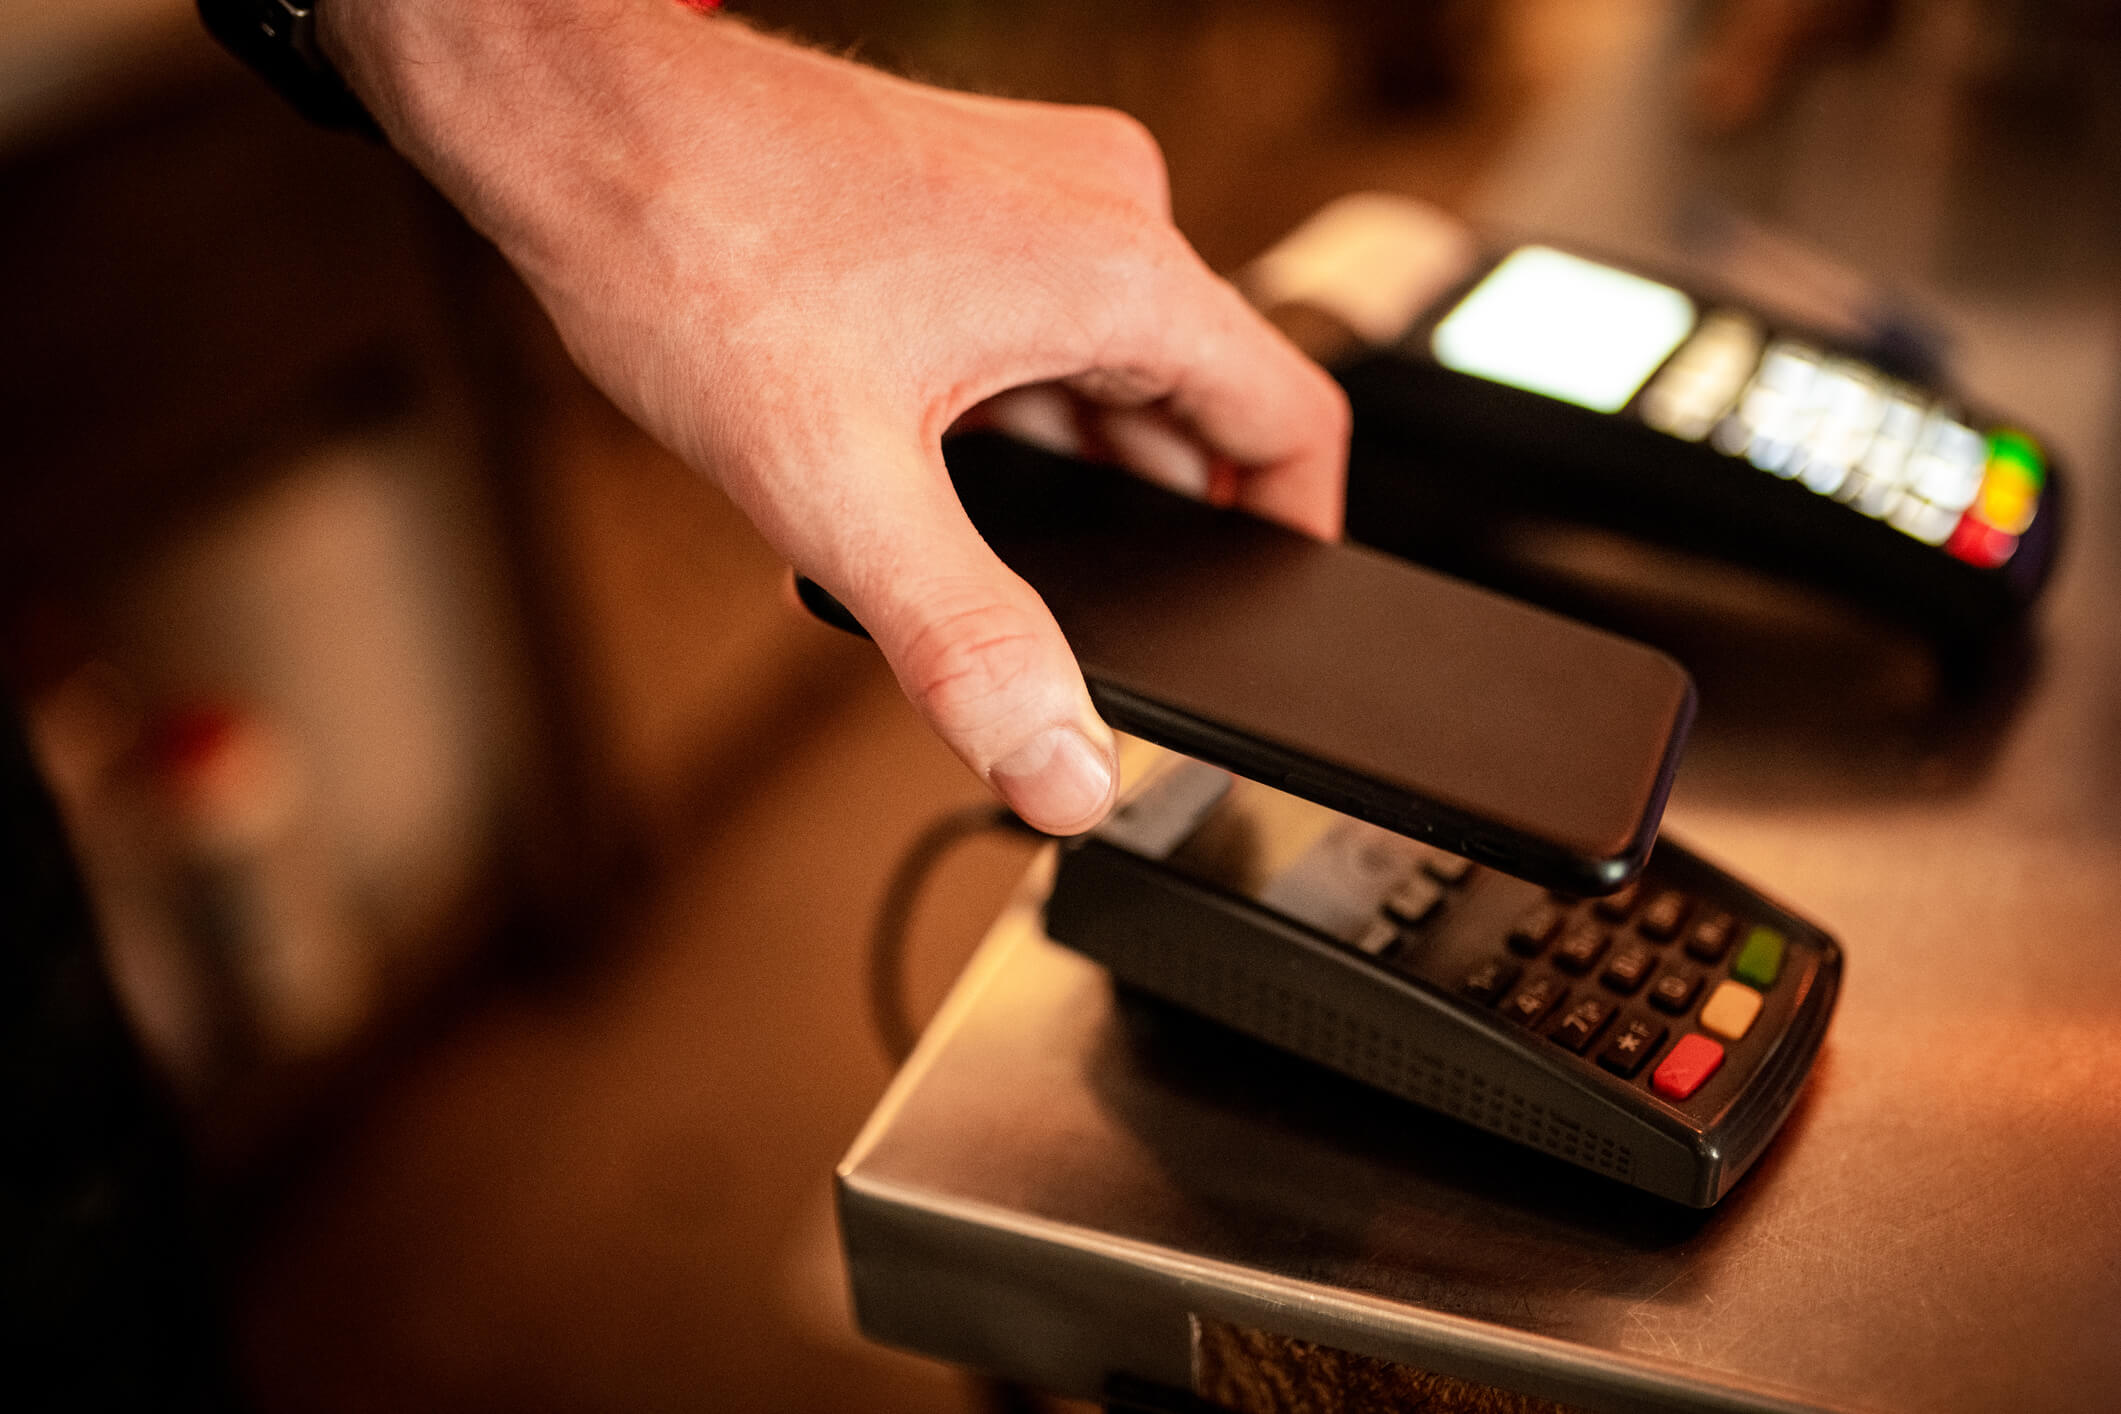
[(1569, 328), (1601, 338)]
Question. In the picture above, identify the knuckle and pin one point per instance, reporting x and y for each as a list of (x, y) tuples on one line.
[(1147, 286), (967, 666), (1125, 147), (1120, 386), (1336, 414)]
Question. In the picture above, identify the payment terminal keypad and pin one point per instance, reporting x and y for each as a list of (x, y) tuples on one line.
[(1684, 998), (1569, 970)]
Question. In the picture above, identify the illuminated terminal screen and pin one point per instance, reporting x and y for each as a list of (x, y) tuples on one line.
[(1584, 333)]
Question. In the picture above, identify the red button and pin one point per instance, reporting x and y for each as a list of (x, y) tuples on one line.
[(1980, 544), (1692, 1061)]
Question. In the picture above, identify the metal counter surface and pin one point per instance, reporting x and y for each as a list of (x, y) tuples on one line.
[(1056, 1184)]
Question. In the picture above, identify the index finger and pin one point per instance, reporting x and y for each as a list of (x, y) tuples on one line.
[(1252, 397)]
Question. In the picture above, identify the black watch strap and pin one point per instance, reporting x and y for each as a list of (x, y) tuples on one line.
[(278, 39)]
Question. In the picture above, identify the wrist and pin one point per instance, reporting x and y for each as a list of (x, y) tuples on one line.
[(410, 60)]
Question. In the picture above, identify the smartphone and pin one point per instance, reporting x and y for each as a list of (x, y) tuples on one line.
[(1394, 694)]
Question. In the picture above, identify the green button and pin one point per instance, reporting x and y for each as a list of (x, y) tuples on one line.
[(2021, 451), (1760, 960)]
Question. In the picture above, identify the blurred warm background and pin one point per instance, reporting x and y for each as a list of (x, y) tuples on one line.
[(486, 846)]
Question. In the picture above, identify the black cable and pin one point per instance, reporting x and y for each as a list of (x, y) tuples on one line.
[(888, 1009)]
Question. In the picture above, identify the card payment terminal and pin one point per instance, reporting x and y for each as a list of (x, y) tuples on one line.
[(1495, 387)]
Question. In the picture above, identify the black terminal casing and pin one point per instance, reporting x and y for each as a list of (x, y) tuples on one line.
[(1396, 1020)]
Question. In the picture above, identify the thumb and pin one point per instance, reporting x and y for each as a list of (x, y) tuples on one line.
[(978, 654)]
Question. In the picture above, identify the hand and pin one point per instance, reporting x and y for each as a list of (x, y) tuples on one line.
[(798, 273)]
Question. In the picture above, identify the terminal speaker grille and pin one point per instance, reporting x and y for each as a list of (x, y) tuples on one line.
[(1295, 1021)]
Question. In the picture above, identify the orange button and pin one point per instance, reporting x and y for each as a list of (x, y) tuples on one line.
[(1730, 1010), (1691, 1062), (2008, 499)]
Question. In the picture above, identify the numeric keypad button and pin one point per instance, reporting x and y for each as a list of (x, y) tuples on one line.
[(1530, 934), (1635, 1042), (1663, 916), (1621, 902), (1489, 980), (1581, 1023), (1632, 963), (1674, 991), (1529, 1004), (1415, 899), (1712, 937), (1581, 945)]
